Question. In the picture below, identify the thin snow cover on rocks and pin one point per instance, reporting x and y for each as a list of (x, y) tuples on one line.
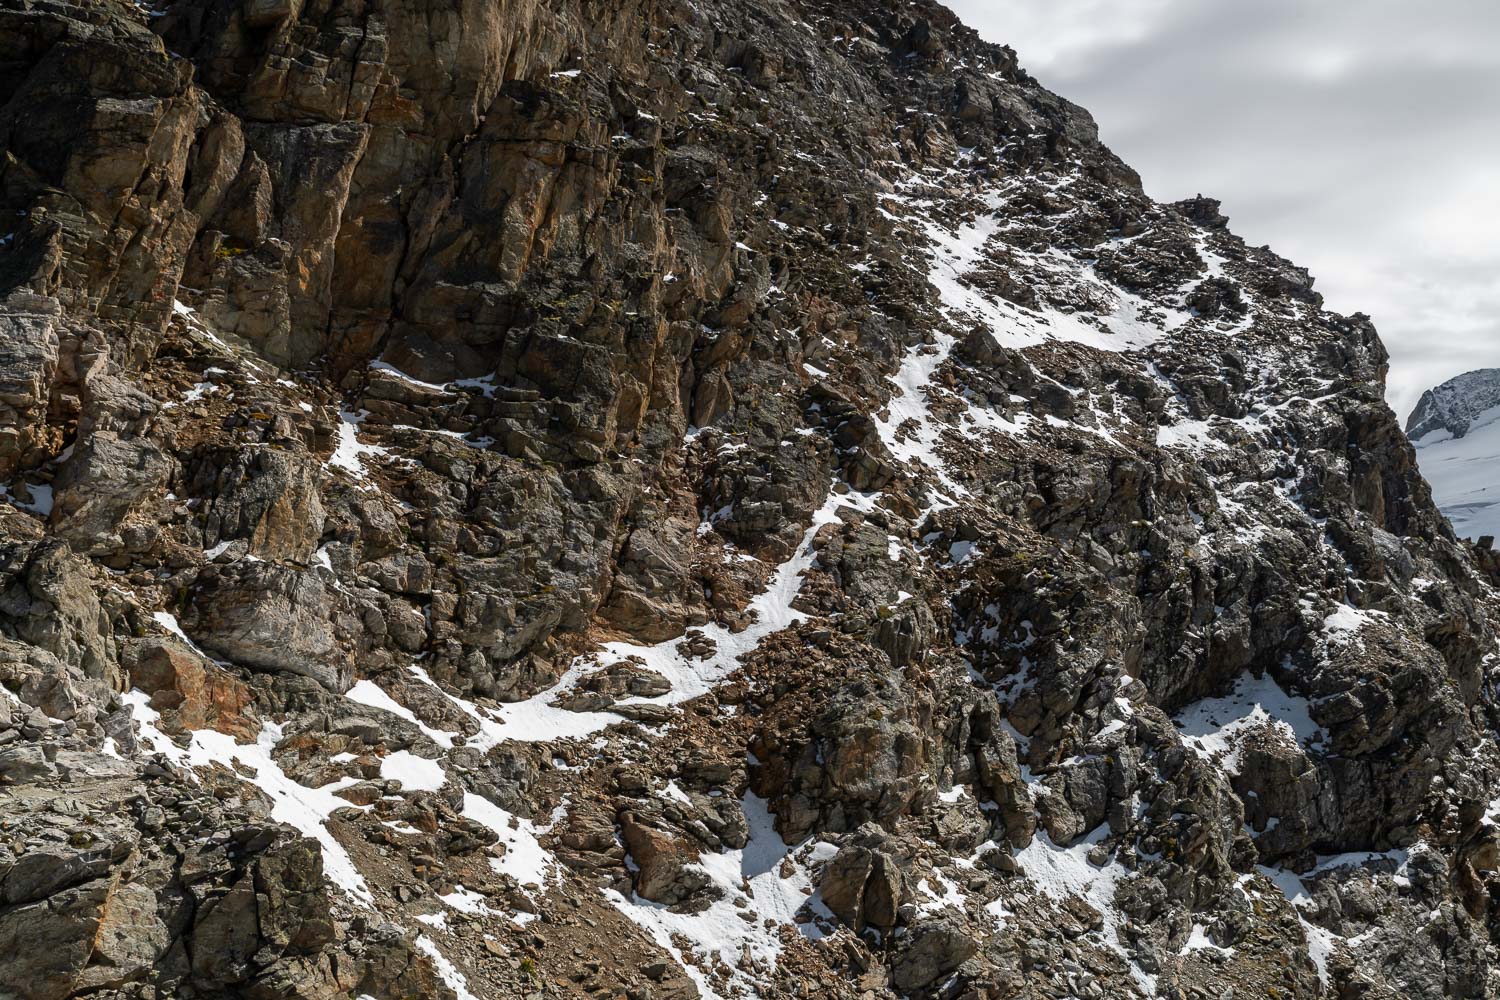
[(1064, 873), (350, 452), (446, 970), (1321, 941), (40, 502), (306, 809), (1216, 728), (940, 894), (1261, 422), (390, 369), (535, 720), (954, 254), (907, 426), (1198, 940), (538, 719), (367, 692), (466, 901), (720, 930), (1344, 623), (196, 325), (773, 612), (1457, 407), (168, 621), (1194, 435), (751, 885), (525, 859)]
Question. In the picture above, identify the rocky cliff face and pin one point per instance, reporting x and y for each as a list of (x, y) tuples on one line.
[(530, 498)]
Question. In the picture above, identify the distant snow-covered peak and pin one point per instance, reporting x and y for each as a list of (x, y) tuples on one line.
[(1456, 428), (1456, 407)]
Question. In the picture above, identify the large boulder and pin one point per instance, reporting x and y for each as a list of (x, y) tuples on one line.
[(189, 692), (866, 758), (267, 496), (864, 887), (49, 598), (108, 478), (666, 867), (29, 348), (275, 618), (930, 953)]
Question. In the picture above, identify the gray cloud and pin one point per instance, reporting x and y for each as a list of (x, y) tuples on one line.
[(1360, 138)]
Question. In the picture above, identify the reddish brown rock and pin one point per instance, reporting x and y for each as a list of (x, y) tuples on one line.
[(666, 868), (190, 692)]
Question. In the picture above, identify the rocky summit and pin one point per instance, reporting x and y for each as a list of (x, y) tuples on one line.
[(664, 499)]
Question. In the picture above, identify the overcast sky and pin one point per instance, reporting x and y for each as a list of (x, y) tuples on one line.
[(1360, 138)]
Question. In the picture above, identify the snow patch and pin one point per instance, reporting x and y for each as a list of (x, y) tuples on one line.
[(467, 901), (390, 369), (733, 930), (1345, 621), (367, 692), (306, 809), (1066, 872), (416, 774), (446, 970), (1198, 940), (525, 859), (1217, 729), (349, 453)]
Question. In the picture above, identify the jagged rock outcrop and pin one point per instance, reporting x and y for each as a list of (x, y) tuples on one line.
[(664, 499)]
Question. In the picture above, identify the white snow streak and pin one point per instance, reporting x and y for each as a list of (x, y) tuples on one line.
[(306, 809)]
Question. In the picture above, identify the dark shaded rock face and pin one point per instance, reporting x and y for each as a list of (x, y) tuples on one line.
[(519, 498)]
